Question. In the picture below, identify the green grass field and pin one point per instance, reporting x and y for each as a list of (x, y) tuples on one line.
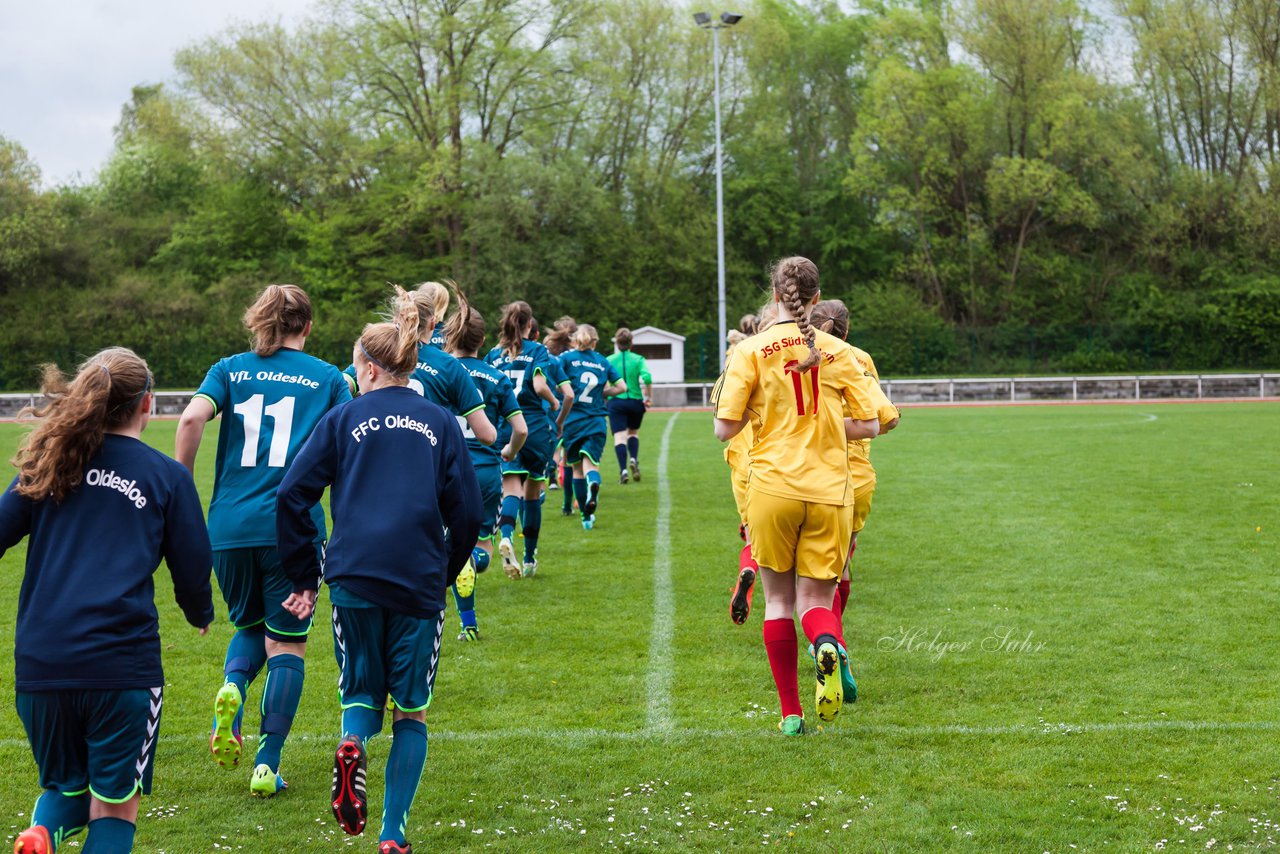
[(1064, 628)]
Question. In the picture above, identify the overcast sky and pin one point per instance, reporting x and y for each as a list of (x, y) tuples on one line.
[(67, 67)]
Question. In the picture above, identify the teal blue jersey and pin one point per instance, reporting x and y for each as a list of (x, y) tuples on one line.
[(533, 360), (442, 379), (269, 406), (557, 379), (499, 405), (437, 336), (589, 373)]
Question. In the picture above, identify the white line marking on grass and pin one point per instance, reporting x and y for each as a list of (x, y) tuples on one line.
[(657, 682), (842, 729)]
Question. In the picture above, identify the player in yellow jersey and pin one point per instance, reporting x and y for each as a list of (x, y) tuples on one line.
[(737, 455), (795, 385), (832, 316)]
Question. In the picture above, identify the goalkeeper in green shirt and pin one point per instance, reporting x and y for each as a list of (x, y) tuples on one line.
[(626, 411)]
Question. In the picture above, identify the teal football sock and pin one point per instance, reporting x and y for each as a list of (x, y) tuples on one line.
[(246, 655), (404, 770), (109, 836), (280, 699), (532, 526), (362, 721), (507, 515), (464, 603), (62, 815)]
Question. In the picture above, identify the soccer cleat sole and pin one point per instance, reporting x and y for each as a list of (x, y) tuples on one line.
[(635, 469), (829, 693), (33, 840), (740, 604), (593, 498), (510, 565), (467, 579), (348, 796), (266, 783), (390, 847), (224, 744)]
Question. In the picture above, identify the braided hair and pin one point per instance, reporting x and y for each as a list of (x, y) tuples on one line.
[(795, 281)]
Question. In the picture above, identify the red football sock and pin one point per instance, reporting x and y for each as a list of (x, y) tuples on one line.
[(817, 622), (782, 648), (842, 599), (745, 560)]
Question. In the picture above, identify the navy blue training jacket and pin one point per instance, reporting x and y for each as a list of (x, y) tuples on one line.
[(400, 474), (86, 611)]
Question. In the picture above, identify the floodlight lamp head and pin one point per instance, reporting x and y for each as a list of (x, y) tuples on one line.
[(702, 19), (730, 18)]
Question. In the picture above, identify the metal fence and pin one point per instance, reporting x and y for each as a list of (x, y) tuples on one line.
[(945, 390), (1031, 389)]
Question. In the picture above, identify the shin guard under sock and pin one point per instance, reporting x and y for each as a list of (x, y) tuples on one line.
[(280, 697)]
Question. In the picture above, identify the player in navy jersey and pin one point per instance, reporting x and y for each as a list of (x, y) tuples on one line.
[(465, 334), (526, 363), (101, 510), (585, 430), (400, 476), (271, 398)]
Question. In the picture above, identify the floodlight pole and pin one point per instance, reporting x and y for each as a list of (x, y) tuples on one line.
[(722, 341), (727, 19)]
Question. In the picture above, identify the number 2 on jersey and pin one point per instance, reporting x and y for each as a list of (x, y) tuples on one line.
[(797, 380), (281, 413), (589, 380)]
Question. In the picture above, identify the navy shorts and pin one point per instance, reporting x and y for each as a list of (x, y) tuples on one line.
[(625, 414), (585, 440), (382, 652), (254, 585), (93, 740)]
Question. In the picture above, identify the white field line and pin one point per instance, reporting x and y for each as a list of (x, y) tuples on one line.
[(659, 677), (843, 729)]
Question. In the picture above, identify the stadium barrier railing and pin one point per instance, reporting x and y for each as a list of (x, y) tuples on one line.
[(1135, 387)]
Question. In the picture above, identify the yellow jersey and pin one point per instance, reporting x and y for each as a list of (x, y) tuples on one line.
[(860, 449), (800, 450)]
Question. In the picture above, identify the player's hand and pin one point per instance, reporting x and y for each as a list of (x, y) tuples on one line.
[(555, 404), (648, 401), (204, 630), (301, 605), (507, 454), (889, 425)]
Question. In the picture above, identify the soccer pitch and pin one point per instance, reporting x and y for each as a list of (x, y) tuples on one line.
[(1063, 627)]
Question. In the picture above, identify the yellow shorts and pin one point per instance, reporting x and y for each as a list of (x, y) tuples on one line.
[(787, 534), (862, 503)]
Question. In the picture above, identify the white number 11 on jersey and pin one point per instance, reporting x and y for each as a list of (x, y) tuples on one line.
[(281, 413)]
